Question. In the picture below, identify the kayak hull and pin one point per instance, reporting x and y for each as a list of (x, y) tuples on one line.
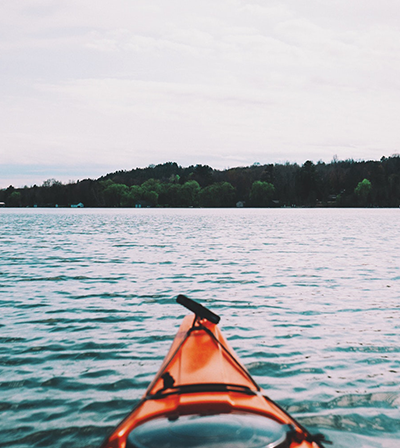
[(201, 375)]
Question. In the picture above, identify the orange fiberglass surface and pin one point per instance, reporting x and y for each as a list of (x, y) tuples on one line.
[(203, 396)]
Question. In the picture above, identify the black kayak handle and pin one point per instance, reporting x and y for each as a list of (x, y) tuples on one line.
[(198, 309)]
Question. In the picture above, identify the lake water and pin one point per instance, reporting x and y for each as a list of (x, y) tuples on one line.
[(309, 299)]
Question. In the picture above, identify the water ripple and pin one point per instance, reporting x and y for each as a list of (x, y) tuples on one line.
[(308, 299)]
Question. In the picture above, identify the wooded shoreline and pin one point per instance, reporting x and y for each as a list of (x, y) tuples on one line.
[(346, 183)]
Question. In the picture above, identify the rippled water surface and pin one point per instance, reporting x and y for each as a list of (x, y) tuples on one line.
[(309, 299)]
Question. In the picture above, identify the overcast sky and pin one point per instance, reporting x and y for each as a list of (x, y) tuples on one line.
[(93, 86)]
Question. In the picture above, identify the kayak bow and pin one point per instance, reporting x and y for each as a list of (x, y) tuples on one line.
[(203, 396)]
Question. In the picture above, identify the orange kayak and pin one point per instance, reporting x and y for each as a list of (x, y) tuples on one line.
[(203, 397)]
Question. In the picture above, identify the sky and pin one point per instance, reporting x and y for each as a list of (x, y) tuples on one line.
[(88, 87)]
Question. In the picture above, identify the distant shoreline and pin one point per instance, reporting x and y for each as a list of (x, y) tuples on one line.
[(339, 184)]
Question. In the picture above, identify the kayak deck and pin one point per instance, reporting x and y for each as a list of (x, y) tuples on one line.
[(200, 385)]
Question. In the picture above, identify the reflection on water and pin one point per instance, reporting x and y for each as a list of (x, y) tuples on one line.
[(309, 300)]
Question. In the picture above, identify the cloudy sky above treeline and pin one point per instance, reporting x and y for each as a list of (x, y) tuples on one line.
[(93, 86)]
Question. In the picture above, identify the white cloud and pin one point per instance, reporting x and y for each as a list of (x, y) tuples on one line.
[(133, 83)]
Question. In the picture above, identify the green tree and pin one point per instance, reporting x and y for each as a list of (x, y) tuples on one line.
[(363, 191), (177, 195), (171, 195), (221, 194), (115, 195), (151, 190), (190, 193), (203, 174), (133, 197), (261, 193), (152, 185), (151, 197)]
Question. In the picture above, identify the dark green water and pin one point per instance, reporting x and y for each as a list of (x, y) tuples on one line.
[(309, 299)]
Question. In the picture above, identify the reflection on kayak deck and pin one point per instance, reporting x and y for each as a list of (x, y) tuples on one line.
[(211, 431)]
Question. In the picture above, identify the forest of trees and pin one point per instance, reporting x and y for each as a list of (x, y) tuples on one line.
[(346, 183)]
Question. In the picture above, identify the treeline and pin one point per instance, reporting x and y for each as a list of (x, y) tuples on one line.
[(346, 183)]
